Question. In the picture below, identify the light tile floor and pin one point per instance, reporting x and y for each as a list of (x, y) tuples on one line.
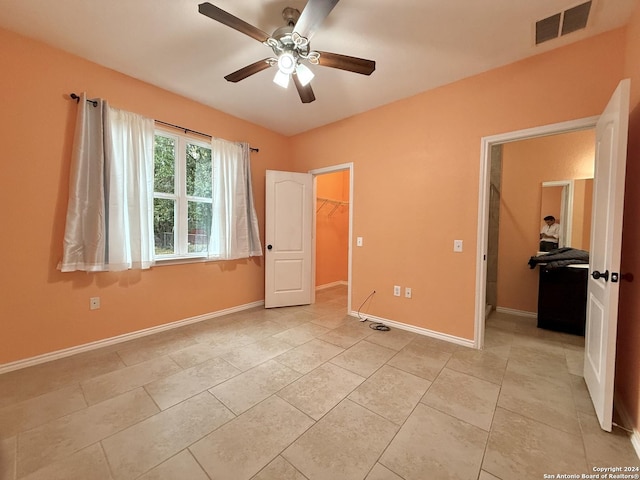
[(308, 393)]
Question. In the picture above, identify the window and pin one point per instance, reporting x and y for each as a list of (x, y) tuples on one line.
[(182, 196)]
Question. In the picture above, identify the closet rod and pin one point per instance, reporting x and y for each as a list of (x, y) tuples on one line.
[(184, 129)]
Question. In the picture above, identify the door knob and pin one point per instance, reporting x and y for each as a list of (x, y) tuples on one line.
[(269, 247), (597, 275)]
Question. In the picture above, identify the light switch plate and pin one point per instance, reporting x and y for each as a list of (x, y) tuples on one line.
[(457, 245), (358, 241)]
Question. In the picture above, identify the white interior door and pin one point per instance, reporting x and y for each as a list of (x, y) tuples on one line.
[(604, 262), (288, 235)]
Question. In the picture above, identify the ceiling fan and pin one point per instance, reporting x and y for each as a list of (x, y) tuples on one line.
[(290, 45)]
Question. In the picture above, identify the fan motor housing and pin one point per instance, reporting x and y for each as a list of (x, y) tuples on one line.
[(285, 42)]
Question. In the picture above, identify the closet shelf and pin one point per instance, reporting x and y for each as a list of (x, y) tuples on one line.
[(328, 201)]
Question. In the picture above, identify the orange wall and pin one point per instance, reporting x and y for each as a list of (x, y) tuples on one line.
[(43, 310), (582, 212), (628, 358), (525, 165), (416, 171), (332, 228)]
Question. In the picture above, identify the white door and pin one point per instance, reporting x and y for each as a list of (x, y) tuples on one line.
[(604, 262), (288, 231)]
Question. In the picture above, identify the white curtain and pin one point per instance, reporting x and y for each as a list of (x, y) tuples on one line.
[(110, 212), (234, 229)]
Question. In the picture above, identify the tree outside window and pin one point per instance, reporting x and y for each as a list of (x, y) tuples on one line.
[(182, 196)]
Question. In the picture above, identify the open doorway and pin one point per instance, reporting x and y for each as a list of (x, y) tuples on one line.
[(531, 180), (488, 244), (333, 187)]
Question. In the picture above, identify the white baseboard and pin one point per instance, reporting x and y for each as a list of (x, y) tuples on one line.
[(419, 330), (332, 284), (626, 423), (67, 352), (520, 313)]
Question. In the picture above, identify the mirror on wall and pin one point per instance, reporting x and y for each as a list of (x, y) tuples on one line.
[(570, 202)]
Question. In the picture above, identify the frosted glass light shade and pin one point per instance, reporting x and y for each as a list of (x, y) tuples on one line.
[(281, 79), (304, 74), (286, 63)]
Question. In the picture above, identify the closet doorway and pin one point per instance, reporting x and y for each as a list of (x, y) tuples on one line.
[(333, 191)]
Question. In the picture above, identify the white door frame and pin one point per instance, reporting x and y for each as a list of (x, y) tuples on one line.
[(483, 203), (315, 173)]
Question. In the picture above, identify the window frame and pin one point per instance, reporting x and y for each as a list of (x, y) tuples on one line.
[(181, 199)]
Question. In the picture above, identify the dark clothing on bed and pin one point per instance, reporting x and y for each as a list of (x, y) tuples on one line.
[(560, 257)]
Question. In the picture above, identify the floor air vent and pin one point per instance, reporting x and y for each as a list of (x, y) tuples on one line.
[(562, 23)]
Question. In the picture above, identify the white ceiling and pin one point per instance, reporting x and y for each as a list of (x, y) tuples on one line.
[(417, 45)]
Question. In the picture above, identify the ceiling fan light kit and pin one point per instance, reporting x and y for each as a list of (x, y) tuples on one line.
[(290, 44)]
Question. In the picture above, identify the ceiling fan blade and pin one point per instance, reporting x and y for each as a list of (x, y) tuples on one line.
[(248, 71), (345, 62), (305, 92), (229, 20), (312, 16)]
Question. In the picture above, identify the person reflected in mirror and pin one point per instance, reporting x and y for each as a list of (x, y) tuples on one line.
[(550, 234)]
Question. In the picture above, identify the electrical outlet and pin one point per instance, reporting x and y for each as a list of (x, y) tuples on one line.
[(396, 290), (94, 303), (457, 245), (407, 292)]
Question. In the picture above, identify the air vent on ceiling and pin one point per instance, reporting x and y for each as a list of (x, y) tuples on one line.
[(562, 23), (548, 28)]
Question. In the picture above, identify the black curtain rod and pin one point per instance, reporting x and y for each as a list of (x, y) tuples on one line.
[(186, 130), (77, 99)]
